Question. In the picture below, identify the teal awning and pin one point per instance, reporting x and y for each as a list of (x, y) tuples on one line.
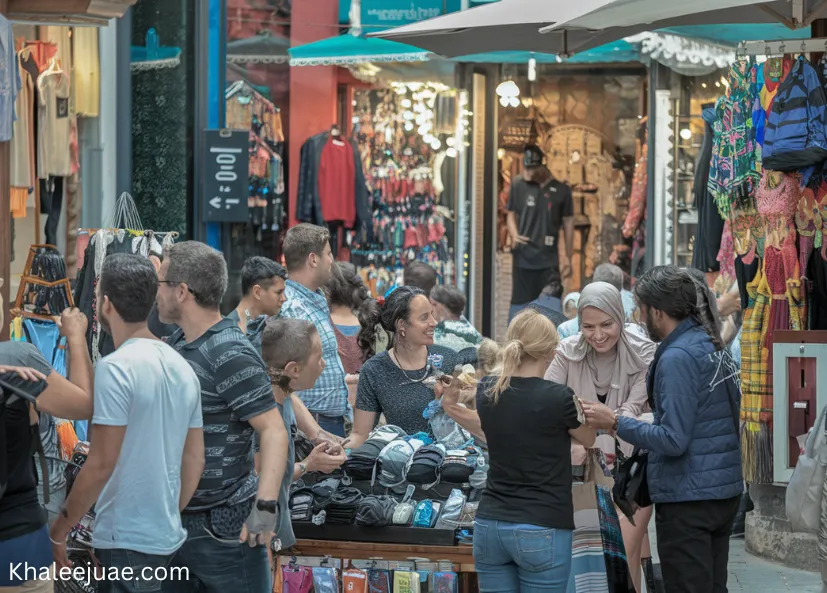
[(735, 34), (619, 51), (346, 50)]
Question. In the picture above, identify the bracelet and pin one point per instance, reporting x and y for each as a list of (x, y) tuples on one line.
[(56, 543)]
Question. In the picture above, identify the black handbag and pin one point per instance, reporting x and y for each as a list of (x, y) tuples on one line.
[(631, 490)]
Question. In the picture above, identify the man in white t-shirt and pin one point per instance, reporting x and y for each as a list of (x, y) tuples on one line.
[(147, 448)]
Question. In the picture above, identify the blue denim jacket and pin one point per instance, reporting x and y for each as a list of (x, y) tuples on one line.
[(9, 79)]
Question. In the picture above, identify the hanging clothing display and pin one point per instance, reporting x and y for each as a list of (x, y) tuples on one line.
[(732, 172), (86, 68), (795, 131), (710, 223), (637, 200), (22, 173), (319, 200), (768, 177), (9, 80), (103, 243), (51, 204), (337, 181), (246, 109), (54, 124)]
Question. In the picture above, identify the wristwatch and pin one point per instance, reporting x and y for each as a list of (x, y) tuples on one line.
[(617, 422), (302, 468)]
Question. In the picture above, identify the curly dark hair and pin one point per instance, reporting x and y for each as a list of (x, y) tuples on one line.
[(346, 289), (398, 307)]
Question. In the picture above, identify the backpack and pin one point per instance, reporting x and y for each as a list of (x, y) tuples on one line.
[(804, 492), (14, 397), (794, 137)]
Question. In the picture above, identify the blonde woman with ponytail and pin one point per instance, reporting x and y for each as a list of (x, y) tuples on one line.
[(523, 529)]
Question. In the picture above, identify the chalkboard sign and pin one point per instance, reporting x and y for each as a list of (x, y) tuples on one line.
[(226, 172)]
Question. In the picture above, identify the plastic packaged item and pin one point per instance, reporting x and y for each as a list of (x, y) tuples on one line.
[(405, 582), (403, 513), (354, 581), (452, 511), (379, 581), (445, 582), (325, 580), (296, 579), (423, 517), (424, 580)]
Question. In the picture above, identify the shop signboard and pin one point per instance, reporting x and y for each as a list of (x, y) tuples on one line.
[(226, 172), (386, 14)]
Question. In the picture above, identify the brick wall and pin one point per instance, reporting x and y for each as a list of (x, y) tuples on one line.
[(502, 295)]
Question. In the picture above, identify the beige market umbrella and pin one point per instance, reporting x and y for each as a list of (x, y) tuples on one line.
[(608, 15), (507, 25)]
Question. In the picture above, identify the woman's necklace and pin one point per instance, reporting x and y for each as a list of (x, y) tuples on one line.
[(399, 364)]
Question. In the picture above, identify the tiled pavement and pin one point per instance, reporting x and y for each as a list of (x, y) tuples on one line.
[(751, 574)]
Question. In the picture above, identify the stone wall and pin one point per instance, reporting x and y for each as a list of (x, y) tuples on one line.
[(768, 531)]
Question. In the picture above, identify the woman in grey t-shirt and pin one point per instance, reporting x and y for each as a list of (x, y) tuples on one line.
[(399, 383)]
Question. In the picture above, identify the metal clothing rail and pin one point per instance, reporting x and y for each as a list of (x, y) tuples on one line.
[(781, 47)]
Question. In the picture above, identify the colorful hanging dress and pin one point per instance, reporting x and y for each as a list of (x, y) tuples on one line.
[(732, 173)]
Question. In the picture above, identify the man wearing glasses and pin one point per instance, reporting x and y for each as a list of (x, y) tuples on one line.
[(233, 514)]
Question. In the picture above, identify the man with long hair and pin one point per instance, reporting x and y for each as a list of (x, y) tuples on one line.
[(694, 463)]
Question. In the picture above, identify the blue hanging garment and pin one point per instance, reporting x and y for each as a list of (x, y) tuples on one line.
[(45, 336)]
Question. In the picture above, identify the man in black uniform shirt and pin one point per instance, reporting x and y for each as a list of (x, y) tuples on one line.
[(538, 205)]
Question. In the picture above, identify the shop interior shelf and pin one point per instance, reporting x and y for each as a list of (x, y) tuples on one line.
[(387, 535)]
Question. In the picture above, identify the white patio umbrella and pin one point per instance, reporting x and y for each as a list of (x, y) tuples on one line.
[(657, 14), (508, 25)]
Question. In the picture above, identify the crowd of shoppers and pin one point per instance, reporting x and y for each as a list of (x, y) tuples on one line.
[(197, 430)]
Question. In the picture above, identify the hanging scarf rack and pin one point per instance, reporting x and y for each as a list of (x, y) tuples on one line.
[(781, 47)]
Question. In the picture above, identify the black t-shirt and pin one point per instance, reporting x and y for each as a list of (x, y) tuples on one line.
[(540, 211), (385, 389), (20, 511), (529, 478)]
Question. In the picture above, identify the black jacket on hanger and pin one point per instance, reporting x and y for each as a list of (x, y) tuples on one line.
[(710, 223), (308, 202)]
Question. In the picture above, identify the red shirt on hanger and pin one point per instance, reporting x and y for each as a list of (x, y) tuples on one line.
[(337, 182)]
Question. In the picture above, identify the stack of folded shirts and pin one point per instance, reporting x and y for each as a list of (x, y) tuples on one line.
[(376, 511), (343, 505)]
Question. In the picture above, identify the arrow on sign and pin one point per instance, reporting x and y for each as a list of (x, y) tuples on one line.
[(215, 202)]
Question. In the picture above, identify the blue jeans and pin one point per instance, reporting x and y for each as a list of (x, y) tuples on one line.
[(218, 565), (335, 425), (512, 558), (148, 571)]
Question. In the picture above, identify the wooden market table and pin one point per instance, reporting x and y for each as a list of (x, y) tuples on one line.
[(461, 556)]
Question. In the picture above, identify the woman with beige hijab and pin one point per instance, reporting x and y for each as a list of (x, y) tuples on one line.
[(607, 363)]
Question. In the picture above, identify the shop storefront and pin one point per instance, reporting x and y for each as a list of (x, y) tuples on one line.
[(591, 117), (404, 117), (57, 106)]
